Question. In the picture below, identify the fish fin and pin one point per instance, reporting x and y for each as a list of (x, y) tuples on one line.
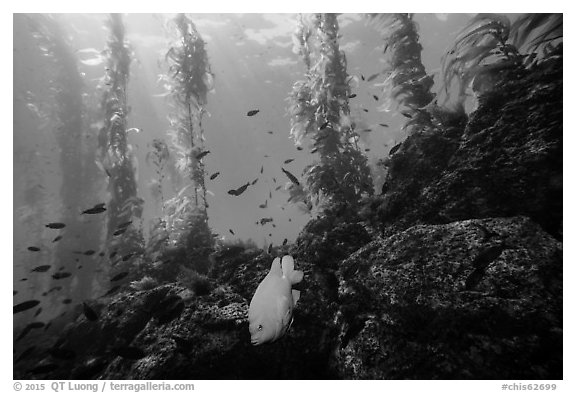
[(288, 266), (275, 269), (296, 277), (295, 296)]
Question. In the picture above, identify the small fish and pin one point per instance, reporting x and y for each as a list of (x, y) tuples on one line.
[(270, 249), (264, 205), (299, 148), (362, 76), (38, 312), (119, 276), (277, 188), (239, 191), (366, 149), (119, 232), (408, 115), (33, 249), (375, 97), (270, 132), (89, 313), (55, 225), (214, 175), (394, 149), (111, 291), (232, 232), (59, 237), (95, 210), (128, 256), (262, 169), (372, 77), (124, 225), (67, 301), (367, 130), (23, 279), (274, 179), (271, 307), (102, 254), (352, 95), (252, 112), (202, 154), (323, 126), (291, 177), (25, 306), (254, 182), (383, 125), (45, 368), (132, 353), (89, 252), (285, 241), (41, 268), (365, 110), (36, 325), (273, 225), (270, 194), (314, 150), (14, 293), (288, 161), (28, 328), (266, 220), (59, 276)]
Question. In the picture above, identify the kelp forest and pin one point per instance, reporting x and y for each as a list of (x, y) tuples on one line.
[(163, 161)]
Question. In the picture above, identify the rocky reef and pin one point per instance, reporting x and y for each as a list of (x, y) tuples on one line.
[(453, 272)]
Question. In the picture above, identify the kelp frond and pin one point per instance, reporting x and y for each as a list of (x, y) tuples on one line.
[(405, 79), (188, 81), (540, 28), (490, 43), (319, 110)]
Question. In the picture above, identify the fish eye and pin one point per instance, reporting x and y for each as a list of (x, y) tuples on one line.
[(259, 328)]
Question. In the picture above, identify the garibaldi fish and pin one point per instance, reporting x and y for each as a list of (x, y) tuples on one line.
[(270, 312)]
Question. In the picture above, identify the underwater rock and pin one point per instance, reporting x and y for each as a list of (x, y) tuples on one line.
[(330, 238), (470, 299), (505, 161), (476, 299)]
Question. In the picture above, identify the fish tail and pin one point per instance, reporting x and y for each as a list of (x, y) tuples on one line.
[(294, 276)]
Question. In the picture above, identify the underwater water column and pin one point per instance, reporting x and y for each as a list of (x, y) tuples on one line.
[(66, 100)]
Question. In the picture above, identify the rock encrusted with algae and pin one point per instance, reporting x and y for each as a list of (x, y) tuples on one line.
[(478, 299)]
